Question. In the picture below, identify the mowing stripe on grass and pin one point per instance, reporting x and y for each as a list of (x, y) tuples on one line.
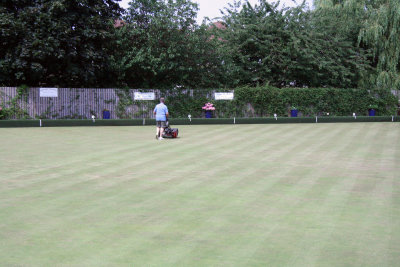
[(238, 195)]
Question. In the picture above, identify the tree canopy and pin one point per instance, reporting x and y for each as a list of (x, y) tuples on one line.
[(376, 23), (162, 46), (289, 46), (74, 43), (56, 42)]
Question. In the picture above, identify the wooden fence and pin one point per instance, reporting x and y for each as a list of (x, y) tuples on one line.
[(78, 103)]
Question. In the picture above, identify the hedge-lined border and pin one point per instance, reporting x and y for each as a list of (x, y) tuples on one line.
[(262, 101), (196, 121)]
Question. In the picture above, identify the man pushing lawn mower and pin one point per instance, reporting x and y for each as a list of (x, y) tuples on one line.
[(163, 129), (161, 112)]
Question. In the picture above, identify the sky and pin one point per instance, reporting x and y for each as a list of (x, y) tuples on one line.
[(210, 8)]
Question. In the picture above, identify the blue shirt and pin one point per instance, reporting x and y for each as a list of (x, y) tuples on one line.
[(161, 111)]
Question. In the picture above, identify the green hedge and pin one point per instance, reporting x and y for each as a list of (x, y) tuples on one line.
[(178, 121), (266, 101)]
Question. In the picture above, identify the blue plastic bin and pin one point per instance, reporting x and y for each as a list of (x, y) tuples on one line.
[(106, 114), (371, 112)]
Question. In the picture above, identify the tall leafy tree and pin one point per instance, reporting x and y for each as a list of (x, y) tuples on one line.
[(338, 32), (56, 42), (288, 46), (254, 42), (379, 21), (162, 46), (381, 32)]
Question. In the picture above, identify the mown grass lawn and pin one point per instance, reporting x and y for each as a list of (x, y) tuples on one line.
[(220, 195)]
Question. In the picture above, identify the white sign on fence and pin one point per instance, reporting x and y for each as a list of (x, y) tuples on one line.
[(48, 92), (224, 96), (144, 96)]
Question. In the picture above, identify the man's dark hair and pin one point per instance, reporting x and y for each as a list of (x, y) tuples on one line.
[(162, 100)]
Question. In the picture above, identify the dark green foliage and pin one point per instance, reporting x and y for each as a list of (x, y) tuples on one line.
[(161, 46), (380, 32), (322, 55), (267, 100), (56, 42), (181, 105), (266, 45), (73, 43), (315, 101), (375, 24)]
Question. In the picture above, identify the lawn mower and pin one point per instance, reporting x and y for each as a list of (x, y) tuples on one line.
[(170, 132)]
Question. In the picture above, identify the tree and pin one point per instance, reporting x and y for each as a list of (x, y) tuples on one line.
[(161, 46), (56, 42), (379, 22), (254, 42), (337, 32), (287, 46), (380, 32)]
